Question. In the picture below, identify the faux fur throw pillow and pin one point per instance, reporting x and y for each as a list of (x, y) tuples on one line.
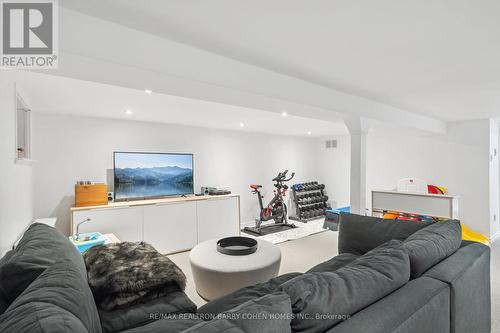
[(126, 273)]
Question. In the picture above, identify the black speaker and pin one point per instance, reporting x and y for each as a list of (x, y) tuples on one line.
[(111, 196)]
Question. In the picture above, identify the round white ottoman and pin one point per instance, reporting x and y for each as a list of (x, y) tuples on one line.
[(216, 274)]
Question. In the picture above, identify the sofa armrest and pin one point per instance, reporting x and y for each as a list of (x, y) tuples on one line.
[(421, 305), (467, 272)]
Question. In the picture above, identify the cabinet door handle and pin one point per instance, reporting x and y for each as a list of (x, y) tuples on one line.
[(218, 199), (167, 203), (109, 208)]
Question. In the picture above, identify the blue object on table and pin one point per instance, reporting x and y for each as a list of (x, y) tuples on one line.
[(332, 217), (88, 240), (339, 210)]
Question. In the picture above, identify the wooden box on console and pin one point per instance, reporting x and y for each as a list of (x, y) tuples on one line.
[(91, 195)]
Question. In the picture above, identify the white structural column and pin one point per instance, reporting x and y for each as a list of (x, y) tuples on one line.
[(358, 133)]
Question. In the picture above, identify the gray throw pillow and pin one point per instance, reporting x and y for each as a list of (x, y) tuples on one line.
[(321, 300), (359, 234), (267, 314), (430, 245), (58, 300), (40, 247)]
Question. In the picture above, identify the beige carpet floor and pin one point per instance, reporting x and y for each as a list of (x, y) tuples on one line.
[(301, 254)]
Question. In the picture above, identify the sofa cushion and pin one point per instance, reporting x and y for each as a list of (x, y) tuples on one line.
[(430, 245), (4, 302), (335, 295), (270, 313), (360, 234), (38, 249), (168, 324), (59, 300), (144, 313), (245, 294), (335, 263)]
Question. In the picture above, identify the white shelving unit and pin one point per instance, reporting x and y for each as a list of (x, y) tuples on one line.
[(435, 205)]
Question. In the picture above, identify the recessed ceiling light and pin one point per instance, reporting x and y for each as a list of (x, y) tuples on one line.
[(309, 132), (284, 114), (242, 125), (148, 91), (128, 112)]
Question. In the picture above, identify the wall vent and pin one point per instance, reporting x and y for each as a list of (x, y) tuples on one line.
[(330, 144)]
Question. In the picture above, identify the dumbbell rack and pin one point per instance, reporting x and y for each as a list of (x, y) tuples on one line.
[(310, 201)]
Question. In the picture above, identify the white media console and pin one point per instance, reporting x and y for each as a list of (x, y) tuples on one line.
[(169, 224)]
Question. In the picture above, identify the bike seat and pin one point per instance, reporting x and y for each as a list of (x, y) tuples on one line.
[(255, 186)]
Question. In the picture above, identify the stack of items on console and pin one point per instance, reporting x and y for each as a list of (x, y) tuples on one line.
[(390, 276), (215, 190), (310, 201)]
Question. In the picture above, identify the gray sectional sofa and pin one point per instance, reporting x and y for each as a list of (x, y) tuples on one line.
[(389, 276)]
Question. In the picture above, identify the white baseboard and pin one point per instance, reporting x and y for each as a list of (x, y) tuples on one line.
[(495, 237)]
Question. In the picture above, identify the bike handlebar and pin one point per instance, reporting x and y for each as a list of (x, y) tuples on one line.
[(281, 177)]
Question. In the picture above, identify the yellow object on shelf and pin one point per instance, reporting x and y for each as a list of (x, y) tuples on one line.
[(471, 235)]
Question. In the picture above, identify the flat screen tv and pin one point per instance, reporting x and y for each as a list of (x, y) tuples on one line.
[(152, 175)]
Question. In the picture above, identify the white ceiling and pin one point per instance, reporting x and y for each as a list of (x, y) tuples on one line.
[(435, 57), (56, 94)]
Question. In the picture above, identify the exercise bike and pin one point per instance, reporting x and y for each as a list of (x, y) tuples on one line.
[(275, 210)]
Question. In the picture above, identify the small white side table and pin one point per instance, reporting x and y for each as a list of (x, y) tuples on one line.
[(111, 239), (216, 274)]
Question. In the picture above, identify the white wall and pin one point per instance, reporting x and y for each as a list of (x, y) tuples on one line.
[(16, 187), (457, 160), (334, 169), (494, 181), (71, 148)]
